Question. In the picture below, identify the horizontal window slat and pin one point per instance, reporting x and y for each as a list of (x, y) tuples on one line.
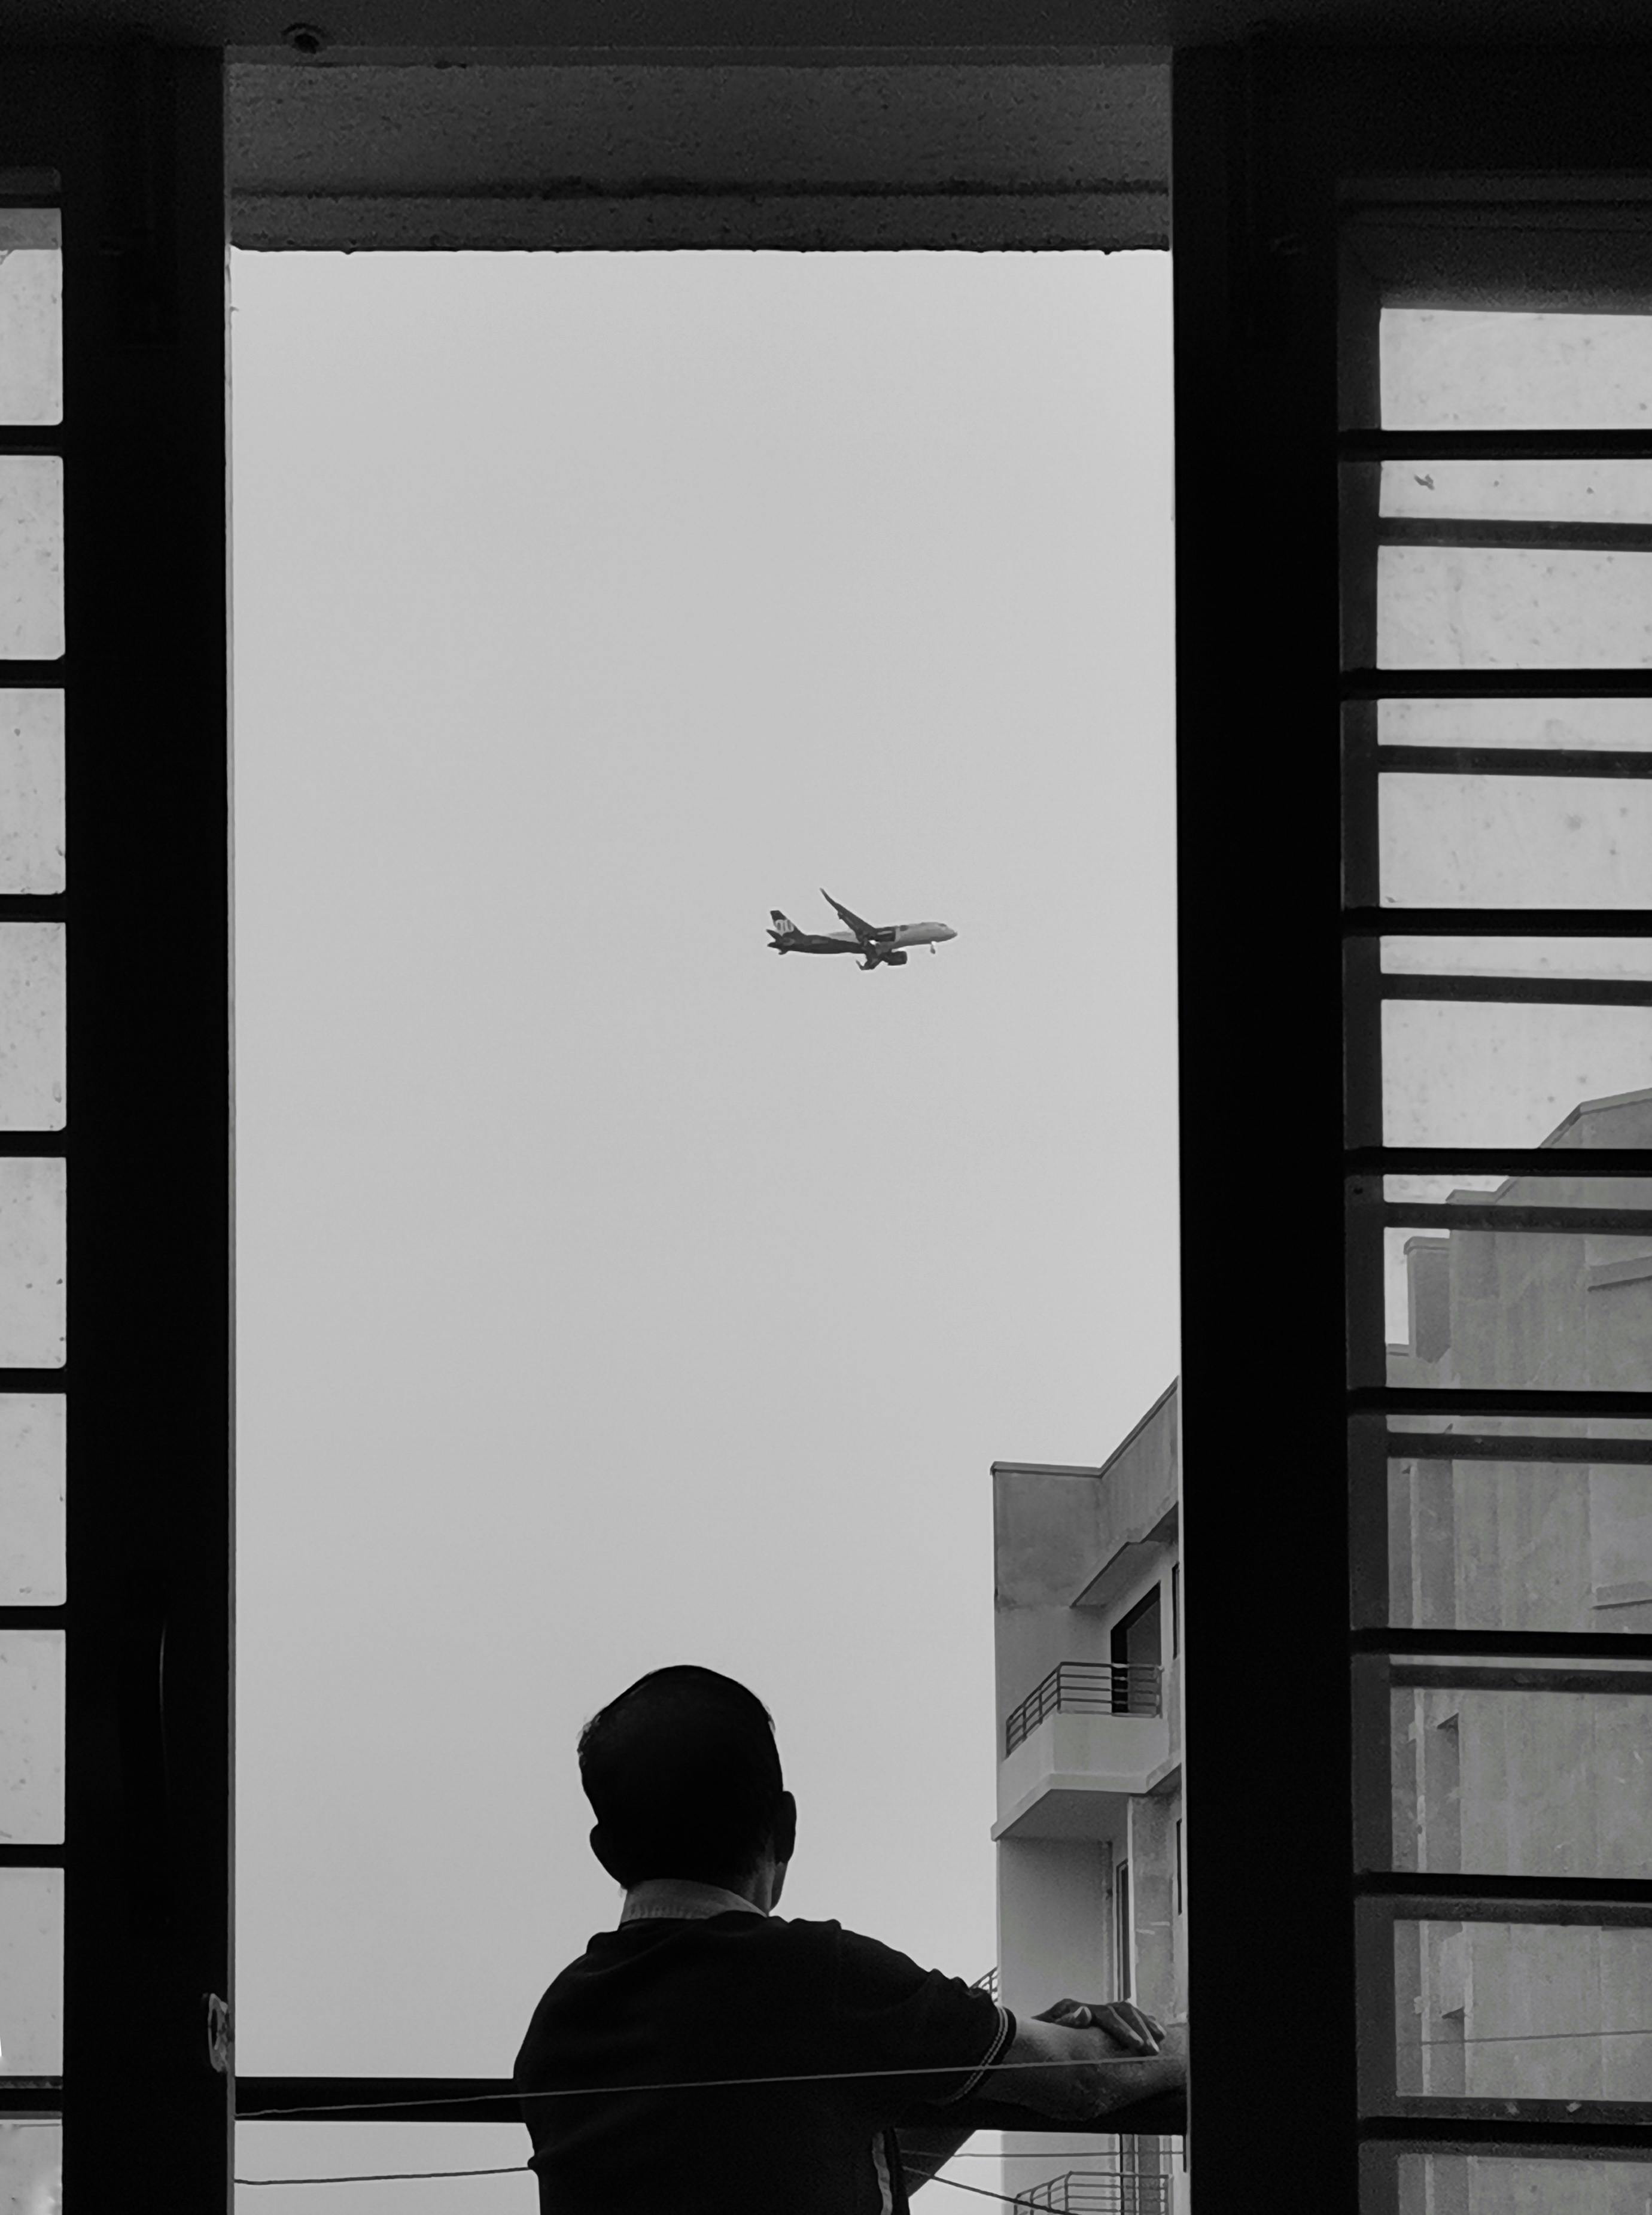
[(1467, 1676), (1497, 922), (1591, 1902), (1498, 1161), (31, 2095), (1512, 761), (1395, 1640), (1526, 534), (1602, 2141), (1581, 446), (1549, 991), (1466, 1215), (1567, 2122), (1593, 683), (1419, 1399), (1461, 1445)]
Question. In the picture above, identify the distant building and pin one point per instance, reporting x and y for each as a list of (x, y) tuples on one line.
[(1513, 1780), (1089, 1832)]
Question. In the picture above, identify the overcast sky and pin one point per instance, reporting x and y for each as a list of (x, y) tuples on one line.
[(613, 1292)]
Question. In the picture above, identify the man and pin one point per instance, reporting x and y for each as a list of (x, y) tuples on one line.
[(773, 2060)]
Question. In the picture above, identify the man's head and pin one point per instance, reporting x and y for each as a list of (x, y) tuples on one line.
[(682, 1774)]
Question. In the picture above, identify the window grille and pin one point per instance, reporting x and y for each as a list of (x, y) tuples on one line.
[(1455, 917)]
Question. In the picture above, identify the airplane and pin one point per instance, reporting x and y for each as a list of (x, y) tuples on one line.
[(880, 943)]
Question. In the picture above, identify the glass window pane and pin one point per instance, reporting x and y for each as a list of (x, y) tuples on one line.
[(31, 1972), (1473, 569), (1525, 1543), (30, 1736), (1571, 725), (1475, 1073), (1526, 1782), (31, 557), (1518, 2184), (1531, 1311), (31, 791), (1523, 2010), (33, 1200), (31, 2166), (1509, 607), (1426, 956), (33, 983), (1588, 492), (1536, 842), (31, 316), (33, 1433), (1446, 369)]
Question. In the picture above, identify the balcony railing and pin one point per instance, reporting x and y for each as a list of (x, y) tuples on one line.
[(988, 1983), (1089, 1688), (1101, 2192)]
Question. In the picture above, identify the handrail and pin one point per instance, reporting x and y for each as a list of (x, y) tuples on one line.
[(1089, 1688), (1101, 2192)]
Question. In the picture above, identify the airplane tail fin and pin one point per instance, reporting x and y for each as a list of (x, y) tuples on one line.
[(781, 926)]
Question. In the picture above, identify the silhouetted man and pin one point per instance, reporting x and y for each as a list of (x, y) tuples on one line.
[(703, 1983)]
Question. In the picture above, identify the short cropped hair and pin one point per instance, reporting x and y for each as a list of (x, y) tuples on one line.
[(684, 1775)]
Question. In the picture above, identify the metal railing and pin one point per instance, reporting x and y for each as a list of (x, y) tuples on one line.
[(988, 1983), (1089, 1688), (1101, 2192)]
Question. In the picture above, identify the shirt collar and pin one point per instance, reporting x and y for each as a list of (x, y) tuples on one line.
[(681, 1899)]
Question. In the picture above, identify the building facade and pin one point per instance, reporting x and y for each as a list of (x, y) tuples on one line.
[(1519, 1773), (1090, 1895)]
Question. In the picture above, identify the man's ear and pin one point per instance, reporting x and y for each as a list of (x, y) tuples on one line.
[(785, 1828), (599, 1847)]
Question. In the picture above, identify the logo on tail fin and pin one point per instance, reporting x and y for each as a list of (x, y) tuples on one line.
[(782, 925)]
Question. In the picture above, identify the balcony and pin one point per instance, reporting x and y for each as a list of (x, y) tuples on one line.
[(1090, 1736), (1101, 2192), (1087, 1688)]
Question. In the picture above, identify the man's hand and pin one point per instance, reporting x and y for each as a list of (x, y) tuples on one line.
[(1120, 2019), (1080, 2071)]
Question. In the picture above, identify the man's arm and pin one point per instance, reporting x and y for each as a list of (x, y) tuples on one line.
[(1077, 2072)]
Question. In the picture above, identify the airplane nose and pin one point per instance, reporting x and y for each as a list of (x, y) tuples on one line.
[(946, 931)]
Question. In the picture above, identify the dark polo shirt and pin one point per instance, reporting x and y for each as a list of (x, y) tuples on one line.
[(689, 1991)]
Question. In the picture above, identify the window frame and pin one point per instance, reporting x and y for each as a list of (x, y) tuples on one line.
[(1276, 405), (135, 134)]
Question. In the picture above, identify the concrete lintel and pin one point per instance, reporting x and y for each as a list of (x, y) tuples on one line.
[(620, 155)]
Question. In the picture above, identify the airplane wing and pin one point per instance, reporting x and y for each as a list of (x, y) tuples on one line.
[(865, 931)]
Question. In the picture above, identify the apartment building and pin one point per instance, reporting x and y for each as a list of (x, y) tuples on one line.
[(1090, 1831)]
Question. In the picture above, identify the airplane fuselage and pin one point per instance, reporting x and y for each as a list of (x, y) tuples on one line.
[(844, 941), (877, 944)]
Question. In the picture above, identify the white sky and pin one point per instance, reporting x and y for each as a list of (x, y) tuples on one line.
[(613, 1292)]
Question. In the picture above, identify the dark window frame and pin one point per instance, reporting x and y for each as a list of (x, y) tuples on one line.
[(1277, 414)]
